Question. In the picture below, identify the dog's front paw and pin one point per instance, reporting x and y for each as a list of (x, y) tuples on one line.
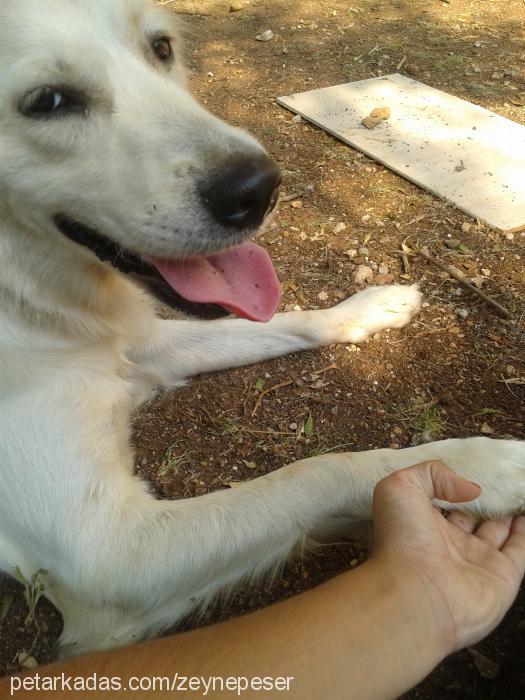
[(498, 466), (375, 309)]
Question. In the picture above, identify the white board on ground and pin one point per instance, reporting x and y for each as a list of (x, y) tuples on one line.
[(461, 152)]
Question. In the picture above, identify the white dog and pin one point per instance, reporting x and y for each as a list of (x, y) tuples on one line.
[(116, 186)]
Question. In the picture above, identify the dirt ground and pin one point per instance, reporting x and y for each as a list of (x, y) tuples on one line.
[(447, 374)]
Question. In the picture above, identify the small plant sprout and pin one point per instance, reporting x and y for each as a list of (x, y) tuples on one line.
[(32, 591)]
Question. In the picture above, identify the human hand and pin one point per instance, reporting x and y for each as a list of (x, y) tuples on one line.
[(469, 576)]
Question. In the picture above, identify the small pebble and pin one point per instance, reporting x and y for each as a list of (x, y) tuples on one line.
[(362, 274), (461, 313), (411, 68), (383, 279), (26, 661), (453, 243), (363, 251), (265, 36)]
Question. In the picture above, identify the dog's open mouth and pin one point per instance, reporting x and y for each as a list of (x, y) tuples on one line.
[(240, 280)]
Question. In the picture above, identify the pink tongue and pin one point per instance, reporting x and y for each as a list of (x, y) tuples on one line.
[(240, 279)]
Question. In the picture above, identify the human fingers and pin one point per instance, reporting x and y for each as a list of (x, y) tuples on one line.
[(464, 521), (495, 532), (514, 547)]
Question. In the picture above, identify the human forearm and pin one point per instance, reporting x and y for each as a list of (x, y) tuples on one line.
[(365, 634)]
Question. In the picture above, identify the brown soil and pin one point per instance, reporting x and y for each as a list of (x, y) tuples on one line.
[(452, 376)]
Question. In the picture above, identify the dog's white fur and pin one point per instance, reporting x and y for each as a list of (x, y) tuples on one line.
[(80, 345)]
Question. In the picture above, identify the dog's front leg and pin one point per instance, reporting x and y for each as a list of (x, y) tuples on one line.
[(202, 545), (152, 561), (158, 560), (182, 349)]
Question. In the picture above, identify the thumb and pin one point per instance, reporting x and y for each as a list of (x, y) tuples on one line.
[(403, 501), (432, 479), (440, 482)]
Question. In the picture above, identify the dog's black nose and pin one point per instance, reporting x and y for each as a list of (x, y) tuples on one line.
[(244, 192)]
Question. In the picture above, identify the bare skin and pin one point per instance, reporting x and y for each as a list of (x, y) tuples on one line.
[(432, 586)]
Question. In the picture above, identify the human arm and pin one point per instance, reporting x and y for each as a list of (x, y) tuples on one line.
[(429, 588)]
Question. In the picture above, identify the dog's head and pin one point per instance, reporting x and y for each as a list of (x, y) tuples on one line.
[(103, 148)]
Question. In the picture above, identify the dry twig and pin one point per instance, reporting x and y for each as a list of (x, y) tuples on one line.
[(290, 197), (450, 271), (406, 263), (269, 391), (286, 383)]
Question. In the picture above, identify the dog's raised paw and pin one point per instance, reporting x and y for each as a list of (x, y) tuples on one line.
[(375, 309)]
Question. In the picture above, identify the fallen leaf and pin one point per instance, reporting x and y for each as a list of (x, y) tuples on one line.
[(309, 427), (487, 668), (5, 604), (26, 661), (233, 484)]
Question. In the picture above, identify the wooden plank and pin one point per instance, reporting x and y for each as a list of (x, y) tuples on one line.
[(459, 151)]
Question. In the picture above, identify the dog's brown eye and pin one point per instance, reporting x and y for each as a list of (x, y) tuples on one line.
[(162, 49)]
